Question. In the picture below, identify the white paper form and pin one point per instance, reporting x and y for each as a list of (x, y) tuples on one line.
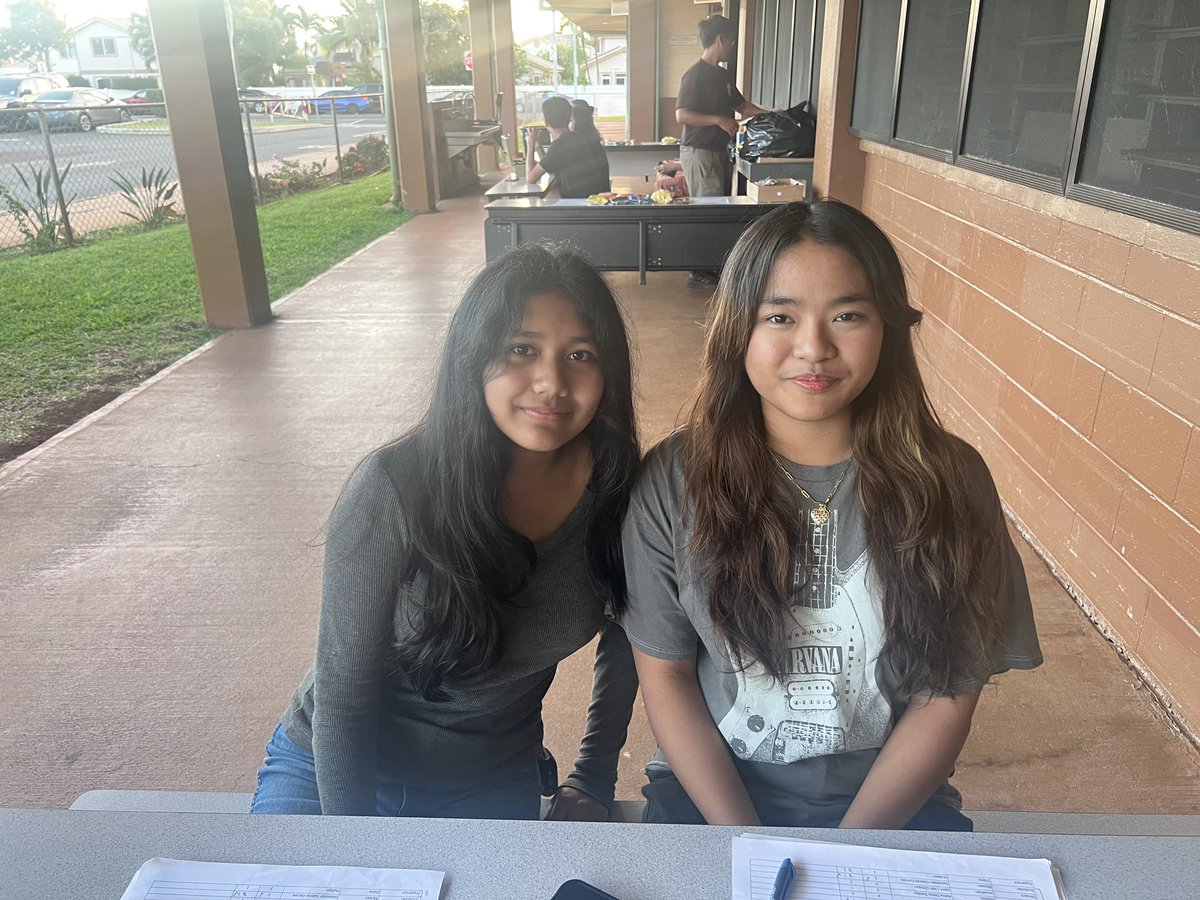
[(828, 871), (177, 879)]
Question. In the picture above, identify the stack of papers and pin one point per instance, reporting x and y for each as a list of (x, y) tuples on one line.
[(177, 879), (827, 871)]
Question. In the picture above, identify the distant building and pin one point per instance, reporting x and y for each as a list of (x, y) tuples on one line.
[(100, 50)]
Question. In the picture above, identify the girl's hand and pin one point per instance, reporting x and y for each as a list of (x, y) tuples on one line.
[(573, 805)]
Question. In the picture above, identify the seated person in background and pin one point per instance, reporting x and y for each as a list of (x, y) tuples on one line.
[(578, 162), (583, 120)]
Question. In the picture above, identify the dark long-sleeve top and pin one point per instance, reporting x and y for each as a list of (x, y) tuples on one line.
[(360, 714)]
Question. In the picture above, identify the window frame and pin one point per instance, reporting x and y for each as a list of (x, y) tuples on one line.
[(102, 43), (1068, 185)]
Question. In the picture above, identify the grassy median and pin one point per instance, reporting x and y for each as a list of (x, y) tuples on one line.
[(79, 326)]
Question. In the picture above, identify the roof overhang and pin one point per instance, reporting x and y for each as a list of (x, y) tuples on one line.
[(593, 16)]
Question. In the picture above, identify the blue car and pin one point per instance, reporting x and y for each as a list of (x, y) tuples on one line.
[(344, 100)]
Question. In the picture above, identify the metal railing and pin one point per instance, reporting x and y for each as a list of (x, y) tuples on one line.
[(71, 171)]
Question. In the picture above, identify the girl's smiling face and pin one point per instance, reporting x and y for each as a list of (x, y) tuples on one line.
[(815, 344), (547, 387)]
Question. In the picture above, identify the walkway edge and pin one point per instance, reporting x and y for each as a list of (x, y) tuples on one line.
[(11, 467)]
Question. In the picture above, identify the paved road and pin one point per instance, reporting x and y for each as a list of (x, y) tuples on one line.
[(96, 156)]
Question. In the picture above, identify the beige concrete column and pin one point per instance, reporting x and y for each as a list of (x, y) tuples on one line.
[(839, 165), (406, 58), (743, 77), (195, 61), (506, 70), (483, 75), (642, 53)]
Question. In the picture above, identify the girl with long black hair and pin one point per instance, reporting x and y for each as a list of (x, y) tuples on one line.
[(465, 560), (820, 576)]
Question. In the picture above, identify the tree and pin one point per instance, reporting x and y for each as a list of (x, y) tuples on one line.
[(447, 31), (310, 26), (142, 39), (34, 30), (356, 29), (262, 40)]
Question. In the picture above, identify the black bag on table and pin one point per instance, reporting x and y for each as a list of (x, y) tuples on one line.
[(791, 134)]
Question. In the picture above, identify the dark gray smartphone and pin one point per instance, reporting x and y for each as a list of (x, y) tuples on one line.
[(580, 890)]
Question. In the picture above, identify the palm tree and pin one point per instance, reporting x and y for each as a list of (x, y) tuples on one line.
[(358, 30), (311, 25)]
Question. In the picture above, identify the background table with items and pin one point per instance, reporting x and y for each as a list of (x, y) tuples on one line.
[(626, 237)]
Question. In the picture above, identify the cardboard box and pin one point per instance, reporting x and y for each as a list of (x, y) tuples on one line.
[(785, 191)]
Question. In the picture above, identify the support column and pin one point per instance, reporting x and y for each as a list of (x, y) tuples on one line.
[(743, 77), (195, 61), (483, 76), (839, 165), (642, 42), (406, 56), (506, 70)]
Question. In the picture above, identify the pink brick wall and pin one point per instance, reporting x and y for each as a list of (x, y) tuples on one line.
[(1064, 342)]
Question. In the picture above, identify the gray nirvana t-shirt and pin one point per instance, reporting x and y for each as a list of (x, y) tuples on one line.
[(806, 744)]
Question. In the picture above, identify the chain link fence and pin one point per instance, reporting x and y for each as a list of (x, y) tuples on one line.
[(72, 170)]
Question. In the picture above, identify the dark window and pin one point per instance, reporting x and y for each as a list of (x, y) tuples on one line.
[(1143, 129), (1023, 84), (878, 33), (935, 41)]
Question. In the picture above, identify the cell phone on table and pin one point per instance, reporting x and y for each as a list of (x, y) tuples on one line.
[(580, 890)]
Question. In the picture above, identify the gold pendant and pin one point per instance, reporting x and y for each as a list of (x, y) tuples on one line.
[(820, 515)]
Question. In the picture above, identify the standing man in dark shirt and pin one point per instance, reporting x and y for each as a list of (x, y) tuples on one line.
[(577, 161), (707, 102)]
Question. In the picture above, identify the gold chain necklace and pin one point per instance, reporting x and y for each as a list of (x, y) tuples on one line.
[(820, 515)]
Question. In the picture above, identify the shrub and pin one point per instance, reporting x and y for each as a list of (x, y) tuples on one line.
[(292, 178), (153, 200), (367, 157), (38, 220)]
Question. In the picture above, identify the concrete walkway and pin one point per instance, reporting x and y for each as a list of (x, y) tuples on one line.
[(159, 572)]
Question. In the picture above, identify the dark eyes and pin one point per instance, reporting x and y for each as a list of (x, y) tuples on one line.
[(784, 319), (526, 350)]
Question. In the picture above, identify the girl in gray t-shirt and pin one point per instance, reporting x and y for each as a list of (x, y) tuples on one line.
[(820, 576), (466, 560)]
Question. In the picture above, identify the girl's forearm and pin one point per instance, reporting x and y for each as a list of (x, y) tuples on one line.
[(917, 757), (690, 741)]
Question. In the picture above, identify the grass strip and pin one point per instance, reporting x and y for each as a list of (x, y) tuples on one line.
[(104, 316)]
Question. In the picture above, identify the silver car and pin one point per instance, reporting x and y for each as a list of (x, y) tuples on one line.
[(81, 109)]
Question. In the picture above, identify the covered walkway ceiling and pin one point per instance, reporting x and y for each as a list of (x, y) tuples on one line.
[(593, 16)]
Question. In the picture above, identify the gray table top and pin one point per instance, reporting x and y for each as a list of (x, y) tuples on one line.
[(519, 187), (68, 854)]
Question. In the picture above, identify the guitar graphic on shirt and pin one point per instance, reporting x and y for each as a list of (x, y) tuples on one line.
[(830, 701)]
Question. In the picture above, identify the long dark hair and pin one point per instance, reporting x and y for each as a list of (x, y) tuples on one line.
[(468, 562), (925, 538), (581, 116)]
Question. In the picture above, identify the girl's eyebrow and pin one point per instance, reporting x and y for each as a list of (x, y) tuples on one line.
[(844, 300), (537, 336)]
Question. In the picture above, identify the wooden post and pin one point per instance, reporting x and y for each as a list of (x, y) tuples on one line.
[(483, 76), (839, 165), (642, 44), (195, 60), (506, 69), (406, 58)]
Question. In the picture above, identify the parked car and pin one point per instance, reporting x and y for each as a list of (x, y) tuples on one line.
[(100, 109), (341, 99), (18, 91), (262, 100), (373, 94), (146, 102)]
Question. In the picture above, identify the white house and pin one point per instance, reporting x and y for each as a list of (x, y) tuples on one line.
[(610, 67), (100, 50)]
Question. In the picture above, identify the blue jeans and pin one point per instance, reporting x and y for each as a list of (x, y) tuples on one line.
[(287, 785)]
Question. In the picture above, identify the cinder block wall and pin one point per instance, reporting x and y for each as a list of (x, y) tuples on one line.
[(1063, 340)]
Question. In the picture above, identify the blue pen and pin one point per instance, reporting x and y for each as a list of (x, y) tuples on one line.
[(783, 880)]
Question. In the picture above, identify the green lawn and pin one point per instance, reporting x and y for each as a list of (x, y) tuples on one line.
[(106, 315)]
